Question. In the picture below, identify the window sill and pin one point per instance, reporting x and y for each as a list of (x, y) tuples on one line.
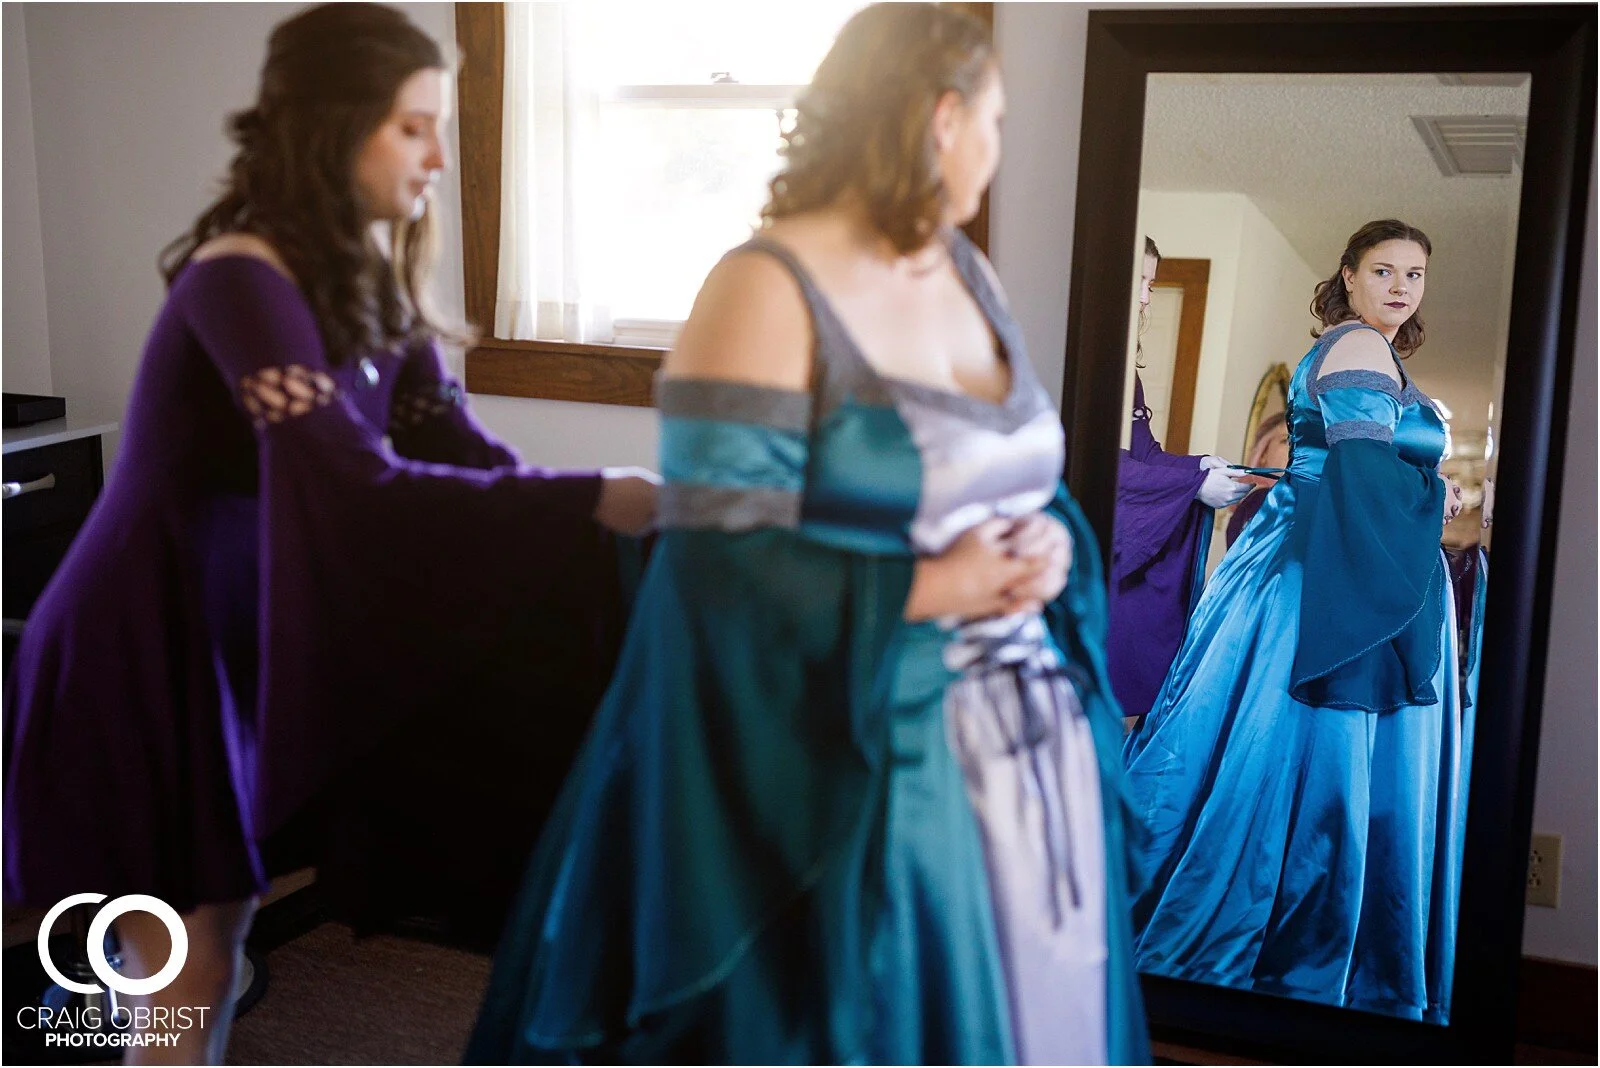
[(564, 370)]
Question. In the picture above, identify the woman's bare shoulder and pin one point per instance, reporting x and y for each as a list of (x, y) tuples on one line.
[(750, 324), (241, 244), (1362, 349)]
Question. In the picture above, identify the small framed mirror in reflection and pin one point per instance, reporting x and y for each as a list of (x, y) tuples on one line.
[(1266, 445)]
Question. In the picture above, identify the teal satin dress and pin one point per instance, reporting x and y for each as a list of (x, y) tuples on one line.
[(1302, 778), (766, 852)]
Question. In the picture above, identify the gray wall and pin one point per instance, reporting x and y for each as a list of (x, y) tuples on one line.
[(126, 113), (1564, 802), (26, 326)]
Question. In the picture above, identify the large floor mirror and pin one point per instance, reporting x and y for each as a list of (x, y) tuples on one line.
[(1326, 259)]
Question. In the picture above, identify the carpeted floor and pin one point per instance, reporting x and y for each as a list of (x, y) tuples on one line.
[(333, 999)]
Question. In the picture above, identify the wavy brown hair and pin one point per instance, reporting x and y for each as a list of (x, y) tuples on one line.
[(1150, 250), (330, 79), (865, 123), (1330, 303)]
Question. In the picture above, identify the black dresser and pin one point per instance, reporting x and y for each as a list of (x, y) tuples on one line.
[(52, 475)]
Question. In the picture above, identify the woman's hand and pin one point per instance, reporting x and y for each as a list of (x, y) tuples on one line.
[(980, 575), (1045, 537), (627, 502), (1452, 500), (1221, 489)]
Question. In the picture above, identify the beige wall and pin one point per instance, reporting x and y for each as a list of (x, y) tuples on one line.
[(1271, 320)]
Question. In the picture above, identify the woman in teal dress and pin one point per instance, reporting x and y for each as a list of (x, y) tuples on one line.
[(853, 794), (1301, 777)]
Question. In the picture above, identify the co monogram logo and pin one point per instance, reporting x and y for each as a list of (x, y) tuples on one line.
[(97, 943)]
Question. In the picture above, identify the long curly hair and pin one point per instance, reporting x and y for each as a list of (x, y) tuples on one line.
[(1330, 303), (865, 122), (330, 79)]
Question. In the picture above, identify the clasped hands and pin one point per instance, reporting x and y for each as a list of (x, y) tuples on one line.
[(1454, 500), (999, 567)]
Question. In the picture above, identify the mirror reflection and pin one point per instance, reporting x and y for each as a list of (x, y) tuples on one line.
[(1300, 551)]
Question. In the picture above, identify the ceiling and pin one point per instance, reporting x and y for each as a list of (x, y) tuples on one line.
[(1320, 155)]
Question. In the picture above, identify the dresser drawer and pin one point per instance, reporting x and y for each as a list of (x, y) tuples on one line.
[(75, 466), (40, 524)]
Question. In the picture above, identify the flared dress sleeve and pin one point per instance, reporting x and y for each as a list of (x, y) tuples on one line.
[(1372, 600), (384, 581), (732, 761), (1157, 513)]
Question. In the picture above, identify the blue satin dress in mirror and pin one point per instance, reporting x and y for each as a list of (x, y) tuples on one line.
[(1301, 775)]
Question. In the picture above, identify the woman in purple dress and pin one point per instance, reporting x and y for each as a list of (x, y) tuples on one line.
[(1165, 504), (307, 544)]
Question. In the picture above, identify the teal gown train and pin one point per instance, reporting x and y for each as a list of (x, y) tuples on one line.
[(803, 830), (1302, 777)]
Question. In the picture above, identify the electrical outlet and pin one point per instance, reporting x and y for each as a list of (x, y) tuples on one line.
[(1544, 871)]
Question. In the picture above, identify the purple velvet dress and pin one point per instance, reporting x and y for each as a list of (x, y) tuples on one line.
[(353, 631), (1158, 540)]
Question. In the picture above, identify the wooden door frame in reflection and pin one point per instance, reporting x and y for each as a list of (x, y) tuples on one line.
[(1556, 45), (1192, 278)]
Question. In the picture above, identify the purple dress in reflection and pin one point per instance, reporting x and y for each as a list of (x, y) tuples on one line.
[(1158, 543), (359, 634)]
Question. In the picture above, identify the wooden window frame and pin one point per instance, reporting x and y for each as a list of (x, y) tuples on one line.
[(550, 370)]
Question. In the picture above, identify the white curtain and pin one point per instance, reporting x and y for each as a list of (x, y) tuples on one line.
[(551, 287)]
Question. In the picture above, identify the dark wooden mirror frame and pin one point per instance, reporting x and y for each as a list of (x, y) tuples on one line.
[(1556, 45)]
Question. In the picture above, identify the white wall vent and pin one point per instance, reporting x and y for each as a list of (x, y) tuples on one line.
[(1512, 79), (1473, 144)]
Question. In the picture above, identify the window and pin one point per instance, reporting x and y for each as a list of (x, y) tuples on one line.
[(638, 139), (611, 151), (695, 94)]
